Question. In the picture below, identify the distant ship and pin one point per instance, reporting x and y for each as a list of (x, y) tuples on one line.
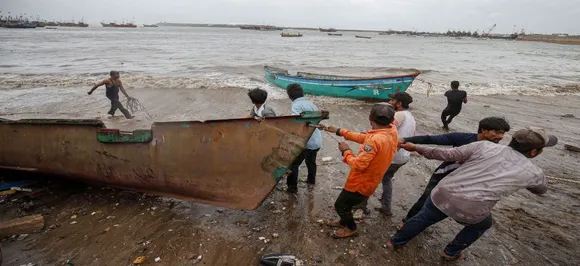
[(115, 25), (79, 24), (327, 30), (19, 25), (259, 27), (291, 34), (150, 25), (23, 22)]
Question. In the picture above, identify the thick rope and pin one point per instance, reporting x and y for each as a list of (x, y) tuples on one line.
[(564, 179), (428, 83), (134, 105), (323, 128)]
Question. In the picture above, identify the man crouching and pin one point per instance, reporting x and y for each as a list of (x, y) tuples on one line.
[(376, 152)]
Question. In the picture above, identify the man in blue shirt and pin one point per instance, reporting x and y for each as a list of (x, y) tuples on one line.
[(301, 104), (490, 129)]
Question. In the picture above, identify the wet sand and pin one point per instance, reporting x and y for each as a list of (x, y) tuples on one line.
[(528, 229)]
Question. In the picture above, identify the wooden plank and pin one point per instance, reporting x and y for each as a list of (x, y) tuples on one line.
[(24, 225)]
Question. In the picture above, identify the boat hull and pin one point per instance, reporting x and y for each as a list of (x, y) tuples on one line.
[(113, 25), (290, 35), (368, 89), (73, 25), (230, 163), (20, 26)]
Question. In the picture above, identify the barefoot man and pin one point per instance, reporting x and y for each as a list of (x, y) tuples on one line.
[(490, 129), (113, 84), (488, 173)]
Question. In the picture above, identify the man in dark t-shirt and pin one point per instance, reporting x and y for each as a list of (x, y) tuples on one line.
[(455, 99)]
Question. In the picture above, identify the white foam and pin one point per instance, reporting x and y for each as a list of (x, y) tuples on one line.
[(496, 89), (218, 80)]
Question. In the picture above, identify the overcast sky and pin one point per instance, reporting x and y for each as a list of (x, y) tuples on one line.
[(538, 16)]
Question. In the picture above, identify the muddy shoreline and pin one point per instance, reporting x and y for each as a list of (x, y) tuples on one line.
[(528, 229), (570, 40)]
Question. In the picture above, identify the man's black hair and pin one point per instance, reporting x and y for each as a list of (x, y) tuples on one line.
[(294, 91), (405, 103), (258, 96), (493, 123), (113, 72), (455, 84)]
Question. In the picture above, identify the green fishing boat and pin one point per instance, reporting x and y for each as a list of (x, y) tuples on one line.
[(361, 88)]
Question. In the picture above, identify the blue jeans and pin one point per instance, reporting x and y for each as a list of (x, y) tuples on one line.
[(430, 215), (433, 182)]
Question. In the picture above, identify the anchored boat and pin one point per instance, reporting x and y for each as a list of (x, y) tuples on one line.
[(291, 34), (232, 163), (115, 25), (79, 24), (327, 30), (362, 88), (20, 25)]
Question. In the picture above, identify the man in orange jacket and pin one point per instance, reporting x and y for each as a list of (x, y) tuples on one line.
[(377, 150)]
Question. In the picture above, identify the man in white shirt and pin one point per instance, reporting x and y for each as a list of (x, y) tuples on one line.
[(405, 123)]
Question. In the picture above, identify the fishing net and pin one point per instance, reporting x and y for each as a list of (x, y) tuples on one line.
[(134, 105)]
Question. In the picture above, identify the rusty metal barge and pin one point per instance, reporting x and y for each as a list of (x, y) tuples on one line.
[(232, 163)]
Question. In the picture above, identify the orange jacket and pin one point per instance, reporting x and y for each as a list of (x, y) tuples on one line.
[(375, 155)]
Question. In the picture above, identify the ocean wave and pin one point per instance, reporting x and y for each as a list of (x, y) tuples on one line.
[(209, 80), (219, 80), (83, 59), (497, 89)]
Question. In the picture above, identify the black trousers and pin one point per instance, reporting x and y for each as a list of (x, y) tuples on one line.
[(310, 157), (448, 114), (344, 205), (116, 104)]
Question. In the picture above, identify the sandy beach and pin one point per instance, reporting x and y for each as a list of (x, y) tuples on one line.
[(114, 226)]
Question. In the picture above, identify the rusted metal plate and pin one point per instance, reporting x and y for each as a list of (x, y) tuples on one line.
[(232, 163)]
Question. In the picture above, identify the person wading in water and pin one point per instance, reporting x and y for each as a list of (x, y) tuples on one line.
[(113, 84)]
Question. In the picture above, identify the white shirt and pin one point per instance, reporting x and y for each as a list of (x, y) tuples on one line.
[(405, 123), (259, 112)]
